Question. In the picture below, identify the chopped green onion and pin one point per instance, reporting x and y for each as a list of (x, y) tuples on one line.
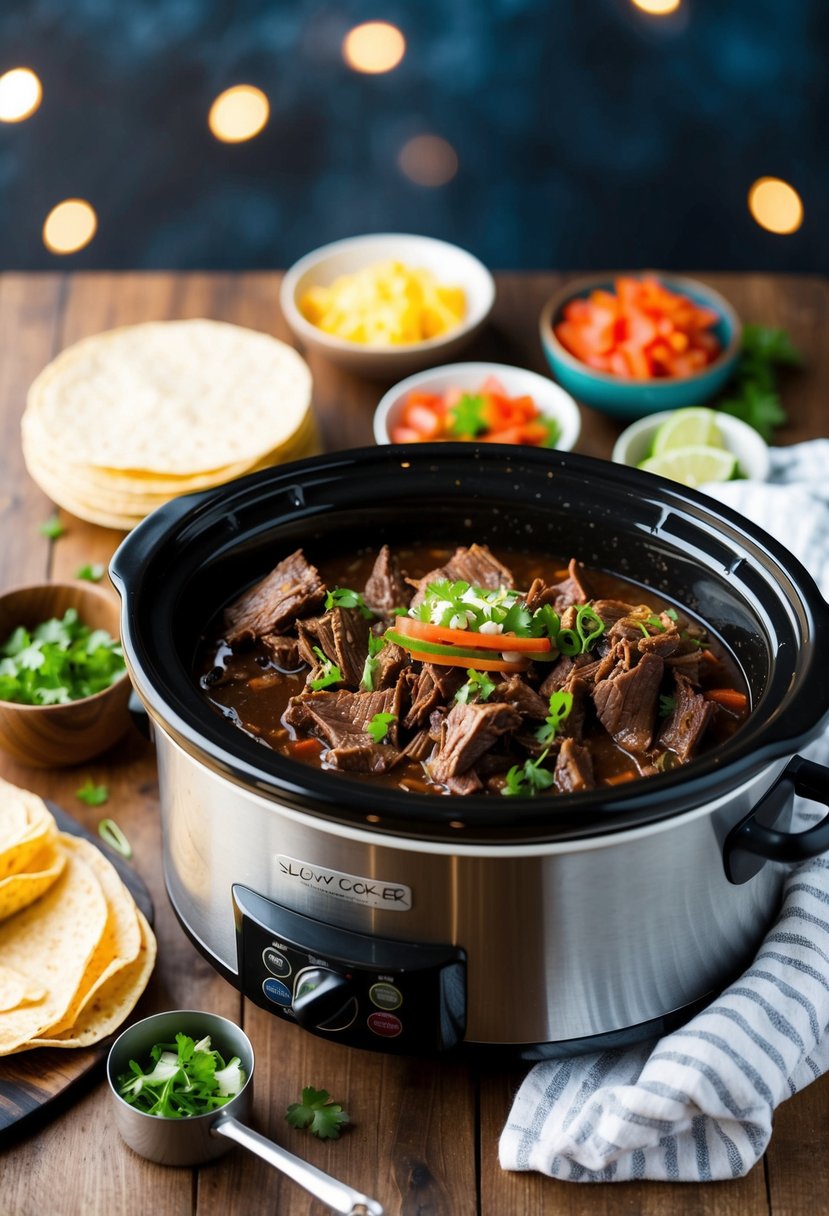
[(112, 835), (379, 726)]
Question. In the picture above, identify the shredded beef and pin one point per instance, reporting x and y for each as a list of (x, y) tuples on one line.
[(390, 663), (468, 732), (572, 590), (435, 686), (626, 703), (342, 636), (283, 650), (339, 718), (664, 644), (292, 590), (689, 720), (573, 725), (464, 783), (385, 589), (611, 611), (525, 699), (574, 768), (475, 565), (357, 756)]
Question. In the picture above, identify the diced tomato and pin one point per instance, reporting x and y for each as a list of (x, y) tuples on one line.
[(639, 331), (423, 420)]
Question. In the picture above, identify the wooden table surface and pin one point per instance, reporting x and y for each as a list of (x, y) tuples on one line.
[(425, 1134)]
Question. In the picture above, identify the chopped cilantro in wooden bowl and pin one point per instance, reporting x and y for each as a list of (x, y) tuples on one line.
[(63, 682)]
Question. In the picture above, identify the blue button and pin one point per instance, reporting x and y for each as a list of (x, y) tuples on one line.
[(277, 992)]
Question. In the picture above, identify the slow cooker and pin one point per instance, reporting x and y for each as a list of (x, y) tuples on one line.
[(419, 923)]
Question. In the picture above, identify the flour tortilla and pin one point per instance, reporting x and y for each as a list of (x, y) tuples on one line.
[(169, 397), (51, 943)]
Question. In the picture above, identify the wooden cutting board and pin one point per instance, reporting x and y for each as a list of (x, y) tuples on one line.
[(32, 1079)]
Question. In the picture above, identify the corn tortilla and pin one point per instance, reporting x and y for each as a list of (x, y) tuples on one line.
[(51, 943), (113, 1001), (19, 890), (170, 397), (121, 940), (17, 989)]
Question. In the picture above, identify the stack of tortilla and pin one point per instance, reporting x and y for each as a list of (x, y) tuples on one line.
[(75, 951), (121, 422)]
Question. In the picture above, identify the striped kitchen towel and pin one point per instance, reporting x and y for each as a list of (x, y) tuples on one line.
[(698, 1104)]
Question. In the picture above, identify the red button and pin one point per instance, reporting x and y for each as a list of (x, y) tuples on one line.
[(385, 1024)]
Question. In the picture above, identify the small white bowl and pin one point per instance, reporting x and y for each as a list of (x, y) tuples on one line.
[(551, 399), (634, 444), (449, 263)]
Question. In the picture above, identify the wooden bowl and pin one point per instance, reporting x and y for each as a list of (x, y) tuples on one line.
[(46, 736)]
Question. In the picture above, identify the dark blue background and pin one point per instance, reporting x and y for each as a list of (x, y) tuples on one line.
[(588, 134)]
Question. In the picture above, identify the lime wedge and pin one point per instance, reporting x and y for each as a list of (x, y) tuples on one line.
[(687, 428), (693, 465)]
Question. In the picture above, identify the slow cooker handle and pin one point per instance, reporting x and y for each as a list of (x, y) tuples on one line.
[(756, 840)]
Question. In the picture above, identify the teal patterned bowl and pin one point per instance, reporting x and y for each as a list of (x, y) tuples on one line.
[(635, 398)]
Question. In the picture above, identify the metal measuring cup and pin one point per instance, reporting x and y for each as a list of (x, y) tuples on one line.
[(194, 1139)]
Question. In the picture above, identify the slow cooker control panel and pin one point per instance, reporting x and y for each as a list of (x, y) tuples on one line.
[(365, 991)]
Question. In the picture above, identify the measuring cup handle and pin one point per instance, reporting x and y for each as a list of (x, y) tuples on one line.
[(339, 1197)]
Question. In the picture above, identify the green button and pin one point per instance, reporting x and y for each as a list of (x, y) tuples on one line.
[(385, 996)]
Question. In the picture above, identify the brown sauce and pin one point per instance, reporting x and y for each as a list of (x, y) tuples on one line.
[(247, 686)]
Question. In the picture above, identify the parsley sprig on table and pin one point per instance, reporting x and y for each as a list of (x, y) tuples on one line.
[(319, 1112), (753, 395), (92, 794), (58, 661)]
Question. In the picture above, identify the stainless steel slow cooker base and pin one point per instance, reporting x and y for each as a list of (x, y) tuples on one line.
[(562, 942)]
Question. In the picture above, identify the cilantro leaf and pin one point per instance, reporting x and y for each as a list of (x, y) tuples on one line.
[(465, 418), (525, 780), (59, 660), (91, 573), (379, 726), (329, 672), (318, 1112), (52, 528), (478, 685), (92, 794), (769, 344), (187, 1078), (344, 597), (561, 703), (375, 645)]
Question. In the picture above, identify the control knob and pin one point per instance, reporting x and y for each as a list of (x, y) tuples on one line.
[(324, 999)]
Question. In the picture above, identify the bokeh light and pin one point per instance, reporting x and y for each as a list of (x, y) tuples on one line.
[(657, 8), (238, 114), (69, 226), (428, 160), (775, 205), (20, 94), (374, 47)]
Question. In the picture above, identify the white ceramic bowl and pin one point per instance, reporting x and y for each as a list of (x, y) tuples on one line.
[(550, 398), (448, 263), (634, 444)]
